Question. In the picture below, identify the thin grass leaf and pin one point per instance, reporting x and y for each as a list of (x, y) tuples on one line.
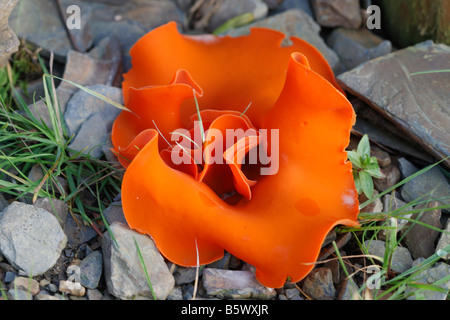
[(243, 112), (196, 271), (185, 136), (91, 92), (141, 258), (427, 72), (430, 287), (202, 130), (366, 203), (235, 22), (104, 219)]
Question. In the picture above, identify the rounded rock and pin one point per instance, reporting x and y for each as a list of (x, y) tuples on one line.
[(31, 238)]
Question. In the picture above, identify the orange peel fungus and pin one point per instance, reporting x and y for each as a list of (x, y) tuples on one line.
[(186, 93)]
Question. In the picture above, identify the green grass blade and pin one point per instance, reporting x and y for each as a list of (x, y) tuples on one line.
[(141, 258), (235, 22), (366, 203), (91, 92)]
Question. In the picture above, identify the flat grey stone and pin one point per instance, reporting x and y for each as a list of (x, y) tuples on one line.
[(77, 232), (429, 185), (91, 269), (39, 22), (303, 5), (416, 103), (349, 290), (114, 213), (420, 239), (124, 272), (357, 46), (234, 284), (31, 238), (337, 13), (101, 65), (57, 207), (406, 168), (90, 119), (401, 259), (3, 202), (318, 284), (435, 273)]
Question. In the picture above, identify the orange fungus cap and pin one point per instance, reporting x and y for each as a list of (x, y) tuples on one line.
[(277, 221)]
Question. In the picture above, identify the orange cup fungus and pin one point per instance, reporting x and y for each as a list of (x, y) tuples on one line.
[(196, 89)]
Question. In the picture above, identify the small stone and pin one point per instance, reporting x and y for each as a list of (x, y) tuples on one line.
[(44, 282), (73, 288), (406, 168), (336, 270), (185, 275), (383, 158), (318, 284), (349, 290), (223, 263), (3, 202), (58, 185), (330, 237), (392, 177), (124, 272), (31, 238), (40, 23), (9, 276), (401, 259), (175, 294), (94, 294), (53, 288), (444, 241), (45, 296), (420, 239), (77, 232), (26, 284), (429, 185), (57, 207), (375, 206), (187, 291), (114, 213), (338, 13), (234, 284), (90, 119), (8, 40), (91, 270), (293, 294), (100, 66), (340, 241), (391, 204), (17, 294), (430, 275), (273, 4), (357, 46)]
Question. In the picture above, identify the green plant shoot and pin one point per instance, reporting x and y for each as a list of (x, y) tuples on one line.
[(365, 167)]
